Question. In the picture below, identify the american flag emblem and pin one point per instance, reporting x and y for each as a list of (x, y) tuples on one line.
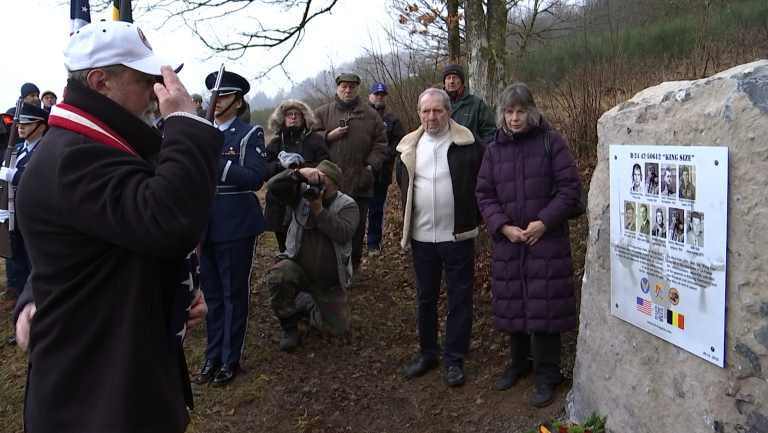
[(644, 306)]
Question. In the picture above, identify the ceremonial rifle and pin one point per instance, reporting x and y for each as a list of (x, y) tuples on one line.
[(6, 196), (209, 115)]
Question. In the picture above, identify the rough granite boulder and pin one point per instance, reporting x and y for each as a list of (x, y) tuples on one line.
[(643, 383)]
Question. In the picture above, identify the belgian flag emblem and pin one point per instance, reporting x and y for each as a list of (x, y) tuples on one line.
[(676, 319)]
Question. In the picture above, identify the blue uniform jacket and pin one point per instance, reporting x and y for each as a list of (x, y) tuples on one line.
[(236, 210), (22, 159)]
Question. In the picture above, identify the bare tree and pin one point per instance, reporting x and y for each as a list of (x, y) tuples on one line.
[(486, 35), (432, 26), (540, 21), (204, 19)]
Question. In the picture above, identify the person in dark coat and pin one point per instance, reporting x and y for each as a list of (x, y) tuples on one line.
[(382, 177), (111, 211), (532, 268), (229, 240), (30, 94), (292, 121)]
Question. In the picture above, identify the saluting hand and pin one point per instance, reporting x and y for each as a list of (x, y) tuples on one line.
[(173, 96)]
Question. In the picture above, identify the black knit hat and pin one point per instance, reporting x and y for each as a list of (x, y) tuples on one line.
[(454, 68), (28, 88)]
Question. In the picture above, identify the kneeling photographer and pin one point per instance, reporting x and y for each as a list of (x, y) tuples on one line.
[(316, 264)]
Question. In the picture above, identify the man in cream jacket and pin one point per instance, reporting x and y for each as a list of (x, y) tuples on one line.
[(437, 173)]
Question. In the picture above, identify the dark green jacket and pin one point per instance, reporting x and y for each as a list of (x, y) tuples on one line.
[(471, 112)]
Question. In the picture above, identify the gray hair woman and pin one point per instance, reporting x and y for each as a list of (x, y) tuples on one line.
[(526, 195), (292, 123)]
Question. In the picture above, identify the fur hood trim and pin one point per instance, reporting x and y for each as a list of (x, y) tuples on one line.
[(277, 119)]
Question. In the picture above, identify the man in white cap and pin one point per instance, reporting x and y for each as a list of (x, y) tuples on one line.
[(111, 211)]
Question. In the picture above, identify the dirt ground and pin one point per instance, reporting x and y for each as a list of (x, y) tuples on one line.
[(353, 383)]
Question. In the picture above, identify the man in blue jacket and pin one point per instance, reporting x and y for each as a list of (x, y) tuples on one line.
[(229, 241)]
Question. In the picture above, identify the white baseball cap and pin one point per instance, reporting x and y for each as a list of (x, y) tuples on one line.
[(107, 43)]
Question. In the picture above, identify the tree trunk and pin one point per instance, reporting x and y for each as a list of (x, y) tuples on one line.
[(486, 34), (454, 40)]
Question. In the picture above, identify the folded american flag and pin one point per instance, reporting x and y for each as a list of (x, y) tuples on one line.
[(186, 291)]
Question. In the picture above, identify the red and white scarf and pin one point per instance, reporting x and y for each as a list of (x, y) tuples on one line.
[(76, 120)]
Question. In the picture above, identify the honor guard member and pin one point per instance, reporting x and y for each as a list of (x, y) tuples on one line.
[(33, 121), (229, 240)]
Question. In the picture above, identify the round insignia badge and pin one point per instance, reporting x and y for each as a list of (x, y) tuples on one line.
[(645, 286), (144, 39), (674, 296)]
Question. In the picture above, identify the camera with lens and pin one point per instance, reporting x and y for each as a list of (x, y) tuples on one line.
[(314, 191)]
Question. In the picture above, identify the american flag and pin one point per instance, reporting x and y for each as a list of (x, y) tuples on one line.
[(79, 15), (644, 306), (186, 290)]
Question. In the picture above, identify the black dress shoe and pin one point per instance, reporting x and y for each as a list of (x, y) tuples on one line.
[(419, 367), (454, 376), (209, 370), (508, 379), (226, 374), (544, 394)]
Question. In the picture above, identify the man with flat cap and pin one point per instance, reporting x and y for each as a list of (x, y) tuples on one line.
[(110, 211), (229, 240), (357, 142), (30, 94), (198, 101), (33, 121)]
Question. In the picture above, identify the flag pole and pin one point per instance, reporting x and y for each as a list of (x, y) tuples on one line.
[(125, 13)]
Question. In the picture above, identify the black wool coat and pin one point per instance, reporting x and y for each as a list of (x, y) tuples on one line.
[(106, 232)]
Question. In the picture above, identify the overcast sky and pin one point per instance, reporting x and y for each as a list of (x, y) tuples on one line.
[(35, 32)]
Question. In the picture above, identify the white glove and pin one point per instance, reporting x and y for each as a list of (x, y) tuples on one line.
[(290, 160), (7, 174), (4, 214)]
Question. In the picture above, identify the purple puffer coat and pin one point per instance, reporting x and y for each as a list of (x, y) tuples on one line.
[(532, 285)]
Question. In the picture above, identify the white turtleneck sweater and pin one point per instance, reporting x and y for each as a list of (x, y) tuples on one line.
[(433, 205)]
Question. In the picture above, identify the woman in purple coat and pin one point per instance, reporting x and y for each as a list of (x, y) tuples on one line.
[(526, 196)]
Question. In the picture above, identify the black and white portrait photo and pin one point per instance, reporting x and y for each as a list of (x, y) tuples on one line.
[(637, 179), (695, 228), (668, 180), (676, 225), (687, 184), (629, 216), (652, 178), (659, 226)]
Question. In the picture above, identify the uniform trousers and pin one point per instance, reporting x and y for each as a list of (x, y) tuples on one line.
[(330, 313), (458, 260), (22, 267), (225, 276)]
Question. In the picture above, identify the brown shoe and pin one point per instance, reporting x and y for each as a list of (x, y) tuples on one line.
[(8, 304)]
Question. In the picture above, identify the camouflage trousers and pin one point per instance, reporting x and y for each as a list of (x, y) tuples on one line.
[(330, 313)]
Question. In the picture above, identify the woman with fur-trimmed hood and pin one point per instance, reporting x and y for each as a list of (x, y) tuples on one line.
[(292, 123)]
